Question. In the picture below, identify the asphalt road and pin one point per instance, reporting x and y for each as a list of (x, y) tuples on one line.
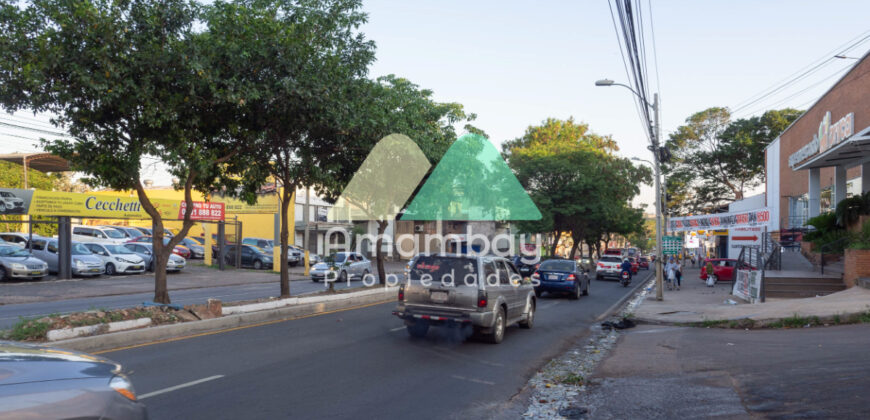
[(10, 314), (357, 363)]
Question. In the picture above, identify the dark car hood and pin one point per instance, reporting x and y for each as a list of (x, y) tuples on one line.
[(20, 363)]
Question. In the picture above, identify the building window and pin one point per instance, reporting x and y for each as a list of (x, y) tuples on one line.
[(826, 200), (797, 211)]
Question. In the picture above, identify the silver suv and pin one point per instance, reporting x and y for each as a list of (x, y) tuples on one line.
[(487, 293)]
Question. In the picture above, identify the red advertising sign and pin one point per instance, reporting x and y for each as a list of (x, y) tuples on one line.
[(203, 211)]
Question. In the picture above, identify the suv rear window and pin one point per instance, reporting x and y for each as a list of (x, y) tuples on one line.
[(441, 268), (610, 259)]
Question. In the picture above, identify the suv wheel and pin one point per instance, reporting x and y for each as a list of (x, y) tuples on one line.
[(2, 273), (498, 328), (364, 274), (418, 330), (530, 317), (258, 265), (110, 269), (343, 277)]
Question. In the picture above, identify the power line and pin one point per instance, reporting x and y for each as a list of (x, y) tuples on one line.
[(652, 30), (34, 129), (800, 92), (622, 55)]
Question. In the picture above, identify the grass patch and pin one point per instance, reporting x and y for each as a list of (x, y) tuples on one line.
[(28, 329), (571, 379), (796, 321)]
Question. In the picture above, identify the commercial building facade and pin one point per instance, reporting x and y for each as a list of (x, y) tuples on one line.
[(823, 157)]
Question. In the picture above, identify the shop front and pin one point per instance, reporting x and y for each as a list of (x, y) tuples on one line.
[(824, 156)]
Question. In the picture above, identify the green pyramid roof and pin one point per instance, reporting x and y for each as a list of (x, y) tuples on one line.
[(472, 182)]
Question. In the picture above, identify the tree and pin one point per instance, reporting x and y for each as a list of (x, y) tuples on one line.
[(716, 160), (575, 179), (126, 80), (293, 64)]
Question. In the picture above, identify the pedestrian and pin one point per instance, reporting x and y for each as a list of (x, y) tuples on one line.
[(693, 259), (678, 274), (671, 274)]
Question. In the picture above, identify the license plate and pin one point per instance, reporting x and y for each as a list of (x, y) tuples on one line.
[(553, 277), (35, 273), (438, 297), (136, 267), (95, 270)]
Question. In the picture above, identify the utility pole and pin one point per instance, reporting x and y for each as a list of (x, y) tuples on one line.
[(659, 219), (306, 216)]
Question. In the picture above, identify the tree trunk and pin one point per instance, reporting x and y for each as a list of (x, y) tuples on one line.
[(578, 239), (286, 194), (382, 274)]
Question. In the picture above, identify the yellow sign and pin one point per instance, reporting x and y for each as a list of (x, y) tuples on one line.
[(52, 203), (266, 204), (720, 232)]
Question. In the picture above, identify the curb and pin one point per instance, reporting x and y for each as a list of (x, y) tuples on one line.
[(621, 302), (126, 339)]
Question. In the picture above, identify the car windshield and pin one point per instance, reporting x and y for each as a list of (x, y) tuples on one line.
[(112, 233), (610, 259), (79, 249), (6, 194), (556, 265), (338, 257), (13, 251), (118, 249), (441, 268)]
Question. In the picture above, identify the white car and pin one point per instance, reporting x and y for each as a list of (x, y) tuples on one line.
[(99, 234), (10, 204), (117, 258), (18, 238)]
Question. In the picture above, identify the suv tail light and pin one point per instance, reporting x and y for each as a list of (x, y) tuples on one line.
[(402, 293), (481, 299)]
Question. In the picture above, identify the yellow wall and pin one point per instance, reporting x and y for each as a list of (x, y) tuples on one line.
[(253, 225)]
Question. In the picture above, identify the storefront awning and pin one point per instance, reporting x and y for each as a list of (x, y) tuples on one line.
[(44, 162), (851, 152)]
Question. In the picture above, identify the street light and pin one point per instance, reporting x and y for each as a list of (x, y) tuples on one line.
[(655, 132)]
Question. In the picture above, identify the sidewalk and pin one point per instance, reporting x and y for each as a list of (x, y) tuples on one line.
[(698, 303)]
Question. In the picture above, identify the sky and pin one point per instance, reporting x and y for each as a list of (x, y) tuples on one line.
[(516, 63)]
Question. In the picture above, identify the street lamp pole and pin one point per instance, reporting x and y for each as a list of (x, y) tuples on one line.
[(656, 136)]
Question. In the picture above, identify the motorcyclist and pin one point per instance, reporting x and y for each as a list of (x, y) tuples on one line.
[(626, 266)]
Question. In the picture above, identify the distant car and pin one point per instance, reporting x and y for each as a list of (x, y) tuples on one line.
[(252, 256), (10, 204), (312, 257), (608, 266), (129, 232), (144, 230), (643, 262), (117, 258), (587, 263), (98, 234), (526, 269), (40, 382), (561, 276), (617, 252), (484, 292), (18, 238), (17, 263), (143, 249), (341, 266), (180, 250), (83, 262), (197, 251), (199, 239), (723, 269), (294, 255)]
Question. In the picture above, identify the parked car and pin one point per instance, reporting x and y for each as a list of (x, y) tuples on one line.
[(561, 276), (252, 256), (144, 230), (146, 251), (180, 250), (341, 266), (98, 234), (18, 238), (487, 293), (17, 263), (197, 251), (643, 262), (526, 270), (199, 239), (142, 251), (83, 262), (723, 269), (10, 204), (294, 255), (129, 232), (608, 266), (117, 258), (635, 265), (47, 383), (312, 257)]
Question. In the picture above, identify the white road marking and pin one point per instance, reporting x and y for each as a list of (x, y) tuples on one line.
[(477, 381), (397, 329), (177, 387)]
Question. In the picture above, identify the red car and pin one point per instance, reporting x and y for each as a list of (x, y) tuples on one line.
[(635, 266), (723, 268), (644, 263)]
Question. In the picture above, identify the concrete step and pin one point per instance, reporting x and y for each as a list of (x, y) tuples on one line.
[(784, 287), (803, 280), (796, 294)]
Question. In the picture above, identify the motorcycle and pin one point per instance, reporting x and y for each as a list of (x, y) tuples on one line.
[(625, 279)]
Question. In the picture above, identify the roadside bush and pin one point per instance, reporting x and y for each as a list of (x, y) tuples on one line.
[(862, 239), (824, 224), (28, 330)]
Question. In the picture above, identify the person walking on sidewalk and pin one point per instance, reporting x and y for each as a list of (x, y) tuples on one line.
[(671, 273), (678, 274)]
